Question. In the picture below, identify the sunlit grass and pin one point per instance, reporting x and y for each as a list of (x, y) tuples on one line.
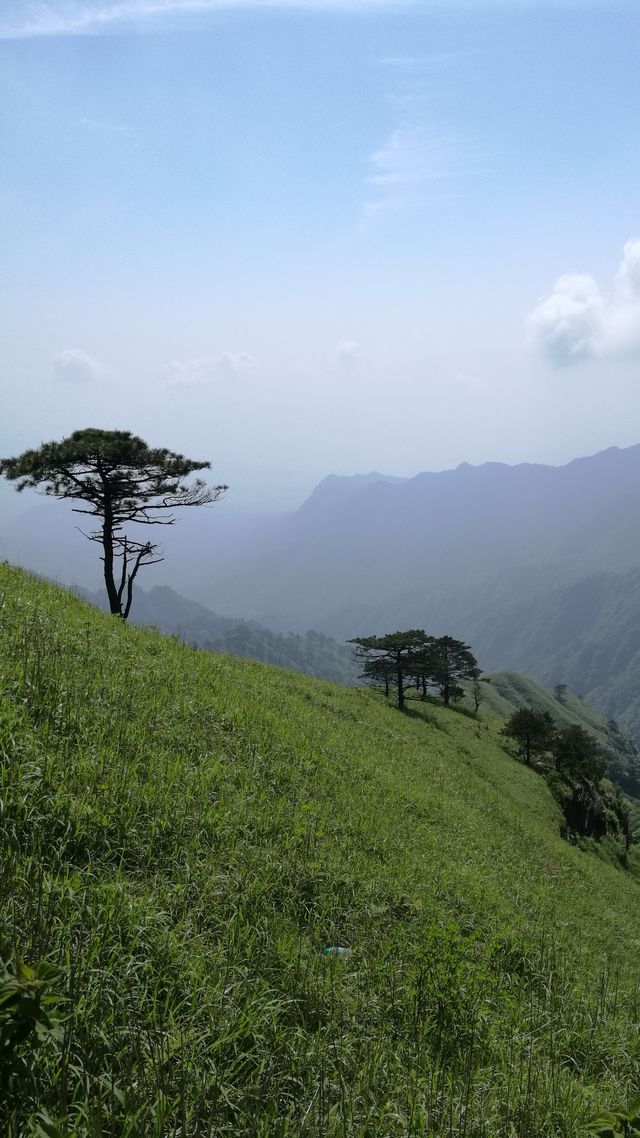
[(183, 833)]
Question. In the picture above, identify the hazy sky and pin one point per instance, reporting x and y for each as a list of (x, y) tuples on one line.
[(305, 237)]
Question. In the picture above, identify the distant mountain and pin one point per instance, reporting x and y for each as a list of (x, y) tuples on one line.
[(335, 490), (311, 652), (46, 538), (585, 634), (360, 553), (537, 566)]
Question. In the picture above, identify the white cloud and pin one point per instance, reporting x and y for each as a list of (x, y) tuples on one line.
[(80, 17), (23, 19), (85, 17), (412, 157), (437, 60), (206, 370), (580, 321), (124, 130), (412, 160), (73, 365)]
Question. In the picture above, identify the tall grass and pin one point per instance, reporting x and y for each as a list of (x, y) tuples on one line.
[(181, 835)]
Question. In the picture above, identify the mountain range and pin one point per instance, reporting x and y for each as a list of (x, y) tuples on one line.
[(537, 567)]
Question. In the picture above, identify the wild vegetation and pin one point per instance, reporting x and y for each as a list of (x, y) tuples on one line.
[(182, 834), (574, 765), (503, 693)]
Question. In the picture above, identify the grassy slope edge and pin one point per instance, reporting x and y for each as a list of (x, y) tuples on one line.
[(182, 833), (504, 692)]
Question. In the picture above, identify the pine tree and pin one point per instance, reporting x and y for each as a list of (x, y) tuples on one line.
[(120, 480), (451, 662), (392, 659), (533, 731), (578, 754)]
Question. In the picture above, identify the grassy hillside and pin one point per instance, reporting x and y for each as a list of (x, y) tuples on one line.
[(311, 653), (182, 834), (504, 692)]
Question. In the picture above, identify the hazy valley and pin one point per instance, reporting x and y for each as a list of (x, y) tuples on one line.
[(537, 567)]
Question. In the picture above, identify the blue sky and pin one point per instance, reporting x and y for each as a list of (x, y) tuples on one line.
[(302, 238)]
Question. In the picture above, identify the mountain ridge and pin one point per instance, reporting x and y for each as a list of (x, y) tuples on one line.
[(495, 554), (437, 520)]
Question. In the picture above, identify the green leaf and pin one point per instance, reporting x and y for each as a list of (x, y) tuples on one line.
[(604, 1125), (42, 1126)]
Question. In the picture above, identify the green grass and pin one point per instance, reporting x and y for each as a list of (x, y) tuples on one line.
[(181, 835)]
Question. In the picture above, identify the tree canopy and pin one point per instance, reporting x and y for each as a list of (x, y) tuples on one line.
[(393, 655), (533, 732), (121, 480), (451, 663), (578, 754), (416, 658)]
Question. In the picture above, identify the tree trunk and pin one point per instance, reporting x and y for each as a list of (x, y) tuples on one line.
[(107, 545), (400, 688)]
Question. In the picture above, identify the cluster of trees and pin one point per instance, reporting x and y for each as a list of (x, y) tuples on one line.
[(574, 765), (414, 659), (574, 750)]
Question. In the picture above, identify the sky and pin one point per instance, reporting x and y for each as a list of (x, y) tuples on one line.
[(303, 237)]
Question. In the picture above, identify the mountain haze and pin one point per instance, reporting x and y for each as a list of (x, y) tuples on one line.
[(381, 547), (536, 566)]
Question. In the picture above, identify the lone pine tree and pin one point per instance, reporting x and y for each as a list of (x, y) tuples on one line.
[(120, 480)]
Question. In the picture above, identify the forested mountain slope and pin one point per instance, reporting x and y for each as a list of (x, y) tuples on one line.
[(585, 634), (538, 567), (183, 834)]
